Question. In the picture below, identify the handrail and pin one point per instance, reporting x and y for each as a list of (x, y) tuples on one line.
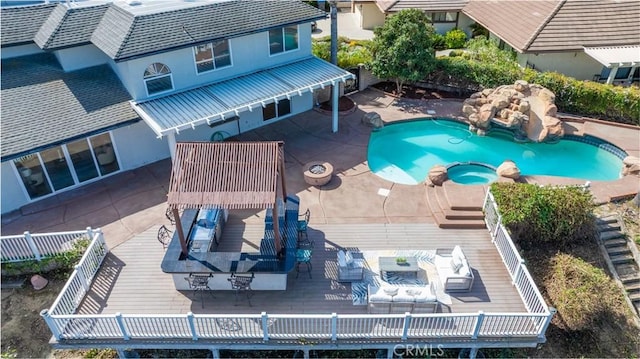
[(38, 246), (526, 287)]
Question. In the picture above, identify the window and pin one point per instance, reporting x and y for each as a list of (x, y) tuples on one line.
[(443, 16), (66, 165), (157, 78), (213, 55), (283, 39), (273, 110)]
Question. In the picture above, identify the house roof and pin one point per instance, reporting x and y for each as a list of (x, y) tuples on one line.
[(559, 25), (19, 24), (69, 25), (217, 101), (621, 56), (43, 106), (230, 175), (425, 5), (130, 31)]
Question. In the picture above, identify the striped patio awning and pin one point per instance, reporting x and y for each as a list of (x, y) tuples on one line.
[(215, 102), (231, 175)]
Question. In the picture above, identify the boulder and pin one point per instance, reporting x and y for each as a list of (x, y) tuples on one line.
[(546, 95), (438, 175), (524, 107), (631, 166), (500, 102), (551, 110), (38, 282), (372, 119), (631, 160), (486, 113), (468, 110), (508, 169), (521, 85)]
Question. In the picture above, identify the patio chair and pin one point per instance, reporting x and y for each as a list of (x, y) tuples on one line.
[(349, 268), (169, 214), (241, 283), (303, 256), (303, 223), (164, 236), (199, 283)]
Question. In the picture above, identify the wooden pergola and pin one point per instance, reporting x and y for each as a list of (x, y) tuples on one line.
[(230, 175)]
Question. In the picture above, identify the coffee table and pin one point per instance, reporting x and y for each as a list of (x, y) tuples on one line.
[(389, 265)]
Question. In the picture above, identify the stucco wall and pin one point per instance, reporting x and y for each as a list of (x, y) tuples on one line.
[(464, 22), (13, 195), (575, 64), (370, 16), (137, 145), (248, 54), (80, 57)]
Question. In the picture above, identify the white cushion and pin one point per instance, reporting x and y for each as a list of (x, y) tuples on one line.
[(457, 253), (414, 291), (380, 296), (349, 257), (465, 271), (342, 260), (456, 263), (402, 296), (427, 295), (390, 290)]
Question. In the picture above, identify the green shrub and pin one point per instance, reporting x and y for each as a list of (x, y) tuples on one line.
[(456, 53), (351, 53), (438, 42), (62, 261), (546, 216), (455, 39)]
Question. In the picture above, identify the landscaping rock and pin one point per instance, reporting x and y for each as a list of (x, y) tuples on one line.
[(38, 282), (438, 175), (508, 169), (631, 166), (372, 119)]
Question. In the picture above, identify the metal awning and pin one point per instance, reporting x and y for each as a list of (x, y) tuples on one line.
[(215, 102), (615, 56), (231, 175)]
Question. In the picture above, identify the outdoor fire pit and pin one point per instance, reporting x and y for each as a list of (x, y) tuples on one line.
[(317, 173)]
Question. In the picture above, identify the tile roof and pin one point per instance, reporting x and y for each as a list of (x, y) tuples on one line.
[(19, 24), (42, 105), (425, 5), (123, 34), (559, 25), (69, 26)]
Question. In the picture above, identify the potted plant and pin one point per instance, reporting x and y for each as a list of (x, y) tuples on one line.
[(401, 260)]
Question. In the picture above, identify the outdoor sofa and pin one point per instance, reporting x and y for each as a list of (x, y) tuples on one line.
[(453, 269), (388, 299)]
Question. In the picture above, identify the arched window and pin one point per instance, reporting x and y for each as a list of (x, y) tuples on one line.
[(157, 78)]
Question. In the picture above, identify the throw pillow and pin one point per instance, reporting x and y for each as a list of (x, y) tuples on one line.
[(349, 257), (390, 290), (456, 264), (342, 260), (465, 270)]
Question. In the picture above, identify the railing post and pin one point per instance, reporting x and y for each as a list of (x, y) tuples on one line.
[(32, 245), (81, 277), (407, 322), (334, 327), (518, 272), (102, 241), (123, 329), (192, 326), (494, 235), (552, 312), (265, 326), (50, 322), (90, 234), (479, 321)]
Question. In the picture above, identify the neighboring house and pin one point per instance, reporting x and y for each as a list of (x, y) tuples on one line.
[(444, 14), (584, 39), (78, 78)]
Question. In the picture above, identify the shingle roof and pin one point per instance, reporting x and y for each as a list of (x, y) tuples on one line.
[(121, 34), (20, 23), (42, 105), (69, 26), (559, 25), (425, 5)]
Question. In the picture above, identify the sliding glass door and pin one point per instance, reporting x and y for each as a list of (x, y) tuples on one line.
[(67, 165)]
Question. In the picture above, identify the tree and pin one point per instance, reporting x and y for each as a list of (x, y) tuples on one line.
[(403, 48)]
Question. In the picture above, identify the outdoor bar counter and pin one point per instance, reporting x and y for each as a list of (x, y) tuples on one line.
[(203, 230)]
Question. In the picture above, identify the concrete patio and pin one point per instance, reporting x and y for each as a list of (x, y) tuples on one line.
[(129, 203)]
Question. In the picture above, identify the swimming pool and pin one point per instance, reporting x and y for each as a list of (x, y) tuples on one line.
[(404, 152)]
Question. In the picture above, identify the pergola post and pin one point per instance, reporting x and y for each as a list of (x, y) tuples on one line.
[(183, 240), (171, 139), (334, 105), (281, 170), (276, 228), (612, 74)]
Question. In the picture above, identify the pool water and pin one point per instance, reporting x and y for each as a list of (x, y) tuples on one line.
[(471, 174), (404, 152)]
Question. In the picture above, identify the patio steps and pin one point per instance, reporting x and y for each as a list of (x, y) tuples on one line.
[(622, 257), (456, 215)]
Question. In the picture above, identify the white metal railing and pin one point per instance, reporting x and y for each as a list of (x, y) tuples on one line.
[(518, 271), (38, 246), (65, 324), (297, 326)]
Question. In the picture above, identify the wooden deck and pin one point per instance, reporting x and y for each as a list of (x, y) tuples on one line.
[(131, 282)]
